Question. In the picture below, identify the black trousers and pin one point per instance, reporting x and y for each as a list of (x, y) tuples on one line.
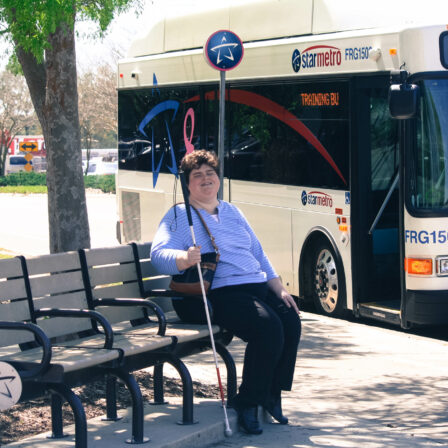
[(272, 332)]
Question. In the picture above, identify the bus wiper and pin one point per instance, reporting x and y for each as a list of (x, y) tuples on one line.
[(385, 202)]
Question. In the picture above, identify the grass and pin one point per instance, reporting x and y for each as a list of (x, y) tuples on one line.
[(4, 255), (24, 189)]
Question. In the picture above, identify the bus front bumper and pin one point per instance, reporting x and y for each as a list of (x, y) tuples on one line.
[(427, 307)]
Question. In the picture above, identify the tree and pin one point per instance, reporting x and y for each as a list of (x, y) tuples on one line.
[(43, 35), (98, 106), (16, 112)]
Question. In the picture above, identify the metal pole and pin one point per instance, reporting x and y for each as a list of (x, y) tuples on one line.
[(222, 111)]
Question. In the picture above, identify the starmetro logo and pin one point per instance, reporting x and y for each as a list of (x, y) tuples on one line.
[(316, 56), (317, 198)]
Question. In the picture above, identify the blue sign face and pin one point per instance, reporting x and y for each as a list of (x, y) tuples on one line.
[(224, 50)]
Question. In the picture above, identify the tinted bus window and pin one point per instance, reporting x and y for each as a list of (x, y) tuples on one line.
[(293, 134), (155, 126)]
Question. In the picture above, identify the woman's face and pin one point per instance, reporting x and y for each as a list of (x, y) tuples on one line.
[(203, 184)]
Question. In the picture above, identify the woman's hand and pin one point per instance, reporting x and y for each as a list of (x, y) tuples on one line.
[(188, 258), (289, 301), (276, 285)]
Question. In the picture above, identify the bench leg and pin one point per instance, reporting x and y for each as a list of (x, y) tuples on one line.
[(158, 384), (111, 399), (187, 391), (138, 413), (57, 425), (231, 371), (61, 390)]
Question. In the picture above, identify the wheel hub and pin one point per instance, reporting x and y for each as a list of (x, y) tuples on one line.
[(326, 281)]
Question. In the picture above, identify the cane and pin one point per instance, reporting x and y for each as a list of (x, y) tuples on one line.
[(227, 430)]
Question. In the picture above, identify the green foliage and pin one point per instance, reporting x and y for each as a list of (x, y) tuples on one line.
[(14, 66), (24, 182), (24, 178), (30, 22), (105, 183)]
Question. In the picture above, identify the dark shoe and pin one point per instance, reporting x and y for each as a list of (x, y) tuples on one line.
[(248, 419), (275, 409)]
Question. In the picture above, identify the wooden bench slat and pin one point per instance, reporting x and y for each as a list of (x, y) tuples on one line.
[(135, 344), (56, 283), (12, 289), (112, 274), (148, 269), (14, 337), (60, 326), (53, 263), (144, 250), (116, 314), (156, 283), (17, 311), (70, 358), (10, 267), (124, 291), (107, 255), (75, 300)]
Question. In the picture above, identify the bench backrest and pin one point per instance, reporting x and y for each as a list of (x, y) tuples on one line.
[(56, 281), (151, 278), (14, 301), (113, 274)]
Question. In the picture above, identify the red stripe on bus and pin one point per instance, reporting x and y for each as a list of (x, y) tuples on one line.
[(276, 110)]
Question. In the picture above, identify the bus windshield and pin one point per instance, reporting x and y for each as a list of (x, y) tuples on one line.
[(428, 176)]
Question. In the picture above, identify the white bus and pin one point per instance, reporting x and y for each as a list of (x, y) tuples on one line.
[(350, 204)]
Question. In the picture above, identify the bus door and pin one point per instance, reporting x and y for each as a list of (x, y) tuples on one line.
[(375, 202)]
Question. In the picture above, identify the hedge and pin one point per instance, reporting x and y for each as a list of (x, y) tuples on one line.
[(105, 183)]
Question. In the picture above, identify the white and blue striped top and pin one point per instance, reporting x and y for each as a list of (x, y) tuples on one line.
[(242, 258)]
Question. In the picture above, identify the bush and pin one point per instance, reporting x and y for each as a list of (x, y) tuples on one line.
[(105, 183), (23, 178)]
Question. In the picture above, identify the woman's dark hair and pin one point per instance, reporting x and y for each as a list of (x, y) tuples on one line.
[(194, 160)]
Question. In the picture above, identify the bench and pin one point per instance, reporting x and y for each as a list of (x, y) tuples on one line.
[(123, 275), (43, 365), (86, 315), (156, 286)]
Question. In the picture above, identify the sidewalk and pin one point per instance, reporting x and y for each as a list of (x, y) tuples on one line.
[(356, 386)]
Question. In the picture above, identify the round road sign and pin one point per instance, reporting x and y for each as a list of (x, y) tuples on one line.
[(223, 50)]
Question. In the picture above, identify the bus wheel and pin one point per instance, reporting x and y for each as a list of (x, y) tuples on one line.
[(328, 282)]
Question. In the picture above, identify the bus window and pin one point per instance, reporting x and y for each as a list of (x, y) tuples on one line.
[(291, 134), (157, 126)]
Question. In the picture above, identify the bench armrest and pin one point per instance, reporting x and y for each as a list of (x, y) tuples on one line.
[(89, 314), (42, 340), (147, 304)]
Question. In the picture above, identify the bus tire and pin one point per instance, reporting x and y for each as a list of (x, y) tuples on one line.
[(328, 285)]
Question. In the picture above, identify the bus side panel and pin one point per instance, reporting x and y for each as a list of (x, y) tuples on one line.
[(267, 208), (314, 215), (150, 206)]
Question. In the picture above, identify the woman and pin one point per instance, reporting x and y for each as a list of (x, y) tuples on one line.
[(247, 295)]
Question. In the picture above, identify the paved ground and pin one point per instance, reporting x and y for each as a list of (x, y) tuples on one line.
[(355, 386)]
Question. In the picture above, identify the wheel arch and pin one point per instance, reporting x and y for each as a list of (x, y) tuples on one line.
[(316, 235)]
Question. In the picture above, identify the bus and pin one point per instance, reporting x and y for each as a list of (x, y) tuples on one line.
[(336, 142)]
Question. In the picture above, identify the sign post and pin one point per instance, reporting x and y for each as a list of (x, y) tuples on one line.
[(223, 51)]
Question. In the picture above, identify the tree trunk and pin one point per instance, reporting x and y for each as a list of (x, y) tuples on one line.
[(53, 89)]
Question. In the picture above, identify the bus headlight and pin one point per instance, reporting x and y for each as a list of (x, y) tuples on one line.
[(442, 265)]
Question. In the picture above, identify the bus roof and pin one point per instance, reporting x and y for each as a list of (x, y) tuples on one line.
[(255, 20)]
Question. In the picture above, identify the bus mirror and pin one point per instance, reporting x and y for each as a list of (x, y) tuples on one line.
[(403, 100)]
